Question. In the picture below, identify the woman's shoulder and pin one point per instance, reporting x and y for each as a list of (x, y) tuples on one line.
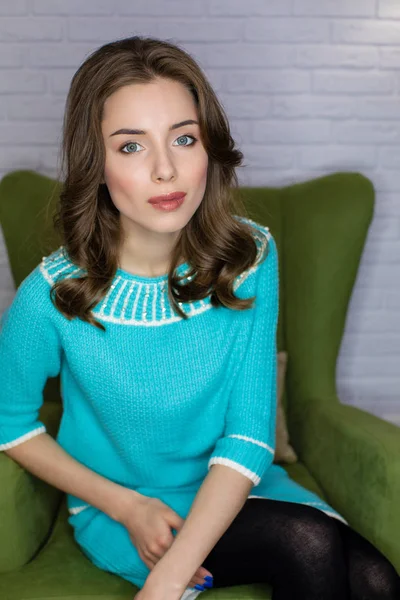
[(262, 236), (58, 265), (266, 246), (258, 228), (32, 298), (34, 288)]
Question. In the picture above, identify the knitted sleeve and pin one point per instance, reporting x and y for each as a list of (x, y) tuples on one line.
[(29, 354), (248, 443)]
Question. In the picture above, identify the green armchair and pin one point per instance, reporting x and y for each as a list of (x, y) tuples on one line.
[(349, 457)]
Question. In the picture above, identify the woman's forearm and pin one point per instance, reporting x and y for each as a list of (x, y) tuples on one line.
[(218, 501), (45, 458)]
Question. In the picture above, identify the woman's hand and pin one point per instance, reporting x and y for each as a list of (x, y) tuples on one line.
[(149, 523), (159, 590)]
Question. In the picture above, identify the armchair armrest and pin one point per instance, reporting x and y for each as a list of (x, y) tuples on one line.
[(355, 457), (28, 505)]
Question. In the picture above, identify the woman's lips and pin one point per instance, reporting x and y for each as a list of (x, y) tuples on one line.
[(167, 197), (168, 205)]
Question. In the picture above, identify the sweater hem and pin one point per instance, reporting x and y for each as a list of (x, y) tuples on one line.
[(318, 505)]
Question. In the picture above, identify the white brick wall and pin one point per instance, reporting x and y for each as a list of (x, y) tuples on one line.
[(310, 87)]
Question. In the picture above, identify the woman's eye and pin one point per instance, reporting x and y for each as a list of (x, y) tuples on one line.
[(187, 136), (179, 138), (127, 146)]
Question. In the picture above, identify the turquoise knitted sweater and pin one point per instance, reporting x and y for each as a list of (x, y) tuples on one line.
[(156, 400)]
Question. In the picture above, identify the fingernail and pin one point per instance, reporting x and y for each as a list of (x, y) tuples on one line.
[(209, 577), (199, 587), (208, 584)]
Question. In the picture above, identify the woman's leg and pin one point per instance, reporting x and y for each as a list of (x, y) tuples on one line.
[(371, 574), (295, 548), (302, 553)]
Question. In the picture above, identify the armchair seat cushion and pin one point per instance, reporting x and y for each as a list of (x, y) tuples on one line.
[(61, 570), (61, 566)]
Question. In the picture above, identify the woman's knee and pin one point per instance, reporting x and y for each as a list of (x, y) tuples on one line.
[(316, 538), (371, 574), (376, 580)]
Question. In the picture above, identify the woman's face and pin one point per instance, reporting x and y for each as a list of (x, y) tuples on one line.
[(139, 166)]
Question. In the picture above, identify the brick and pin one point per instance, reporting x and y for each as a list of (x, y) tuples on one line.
[(60, 80), (30, 29), (389, 58), (250, 7), (187, 30), (36, 108), (267, 80), (161, 8), (392, 300), (335, 56), (282, 30), (382, 252), (177, 30), (13, 7), (387, 204), (278, 131), (385, 229), (386, 180), (366, 131), (29, 133), (12, 158), (379, 277), (307, 105), (243, 106), (366, 32), (334, 8), (22, 81), (345, 82), (59, 55), (245, 55), (389, 157), (73, 7), (12, 55), (388, 9), (337, 157), (378, 364), (379, 109)]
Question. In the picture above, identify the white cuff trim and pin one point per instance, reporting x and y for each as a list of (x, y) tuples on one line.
[(252, 440), (219, 460), (23, 438), (77, 509)]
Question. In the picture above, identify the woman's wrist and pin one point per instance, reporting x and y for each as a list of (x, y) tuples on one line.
[(124, 503), (158, 578)]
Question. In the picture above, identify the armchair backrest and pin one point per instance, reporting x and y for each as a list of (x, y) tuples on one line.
[(320, 227)]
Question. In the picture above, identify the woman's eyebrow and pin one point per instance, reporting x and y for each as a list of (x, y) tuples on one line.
[(142, 132)]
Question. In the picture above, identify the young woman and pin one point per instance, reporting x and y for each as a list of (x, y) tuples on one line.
[(161, 318)]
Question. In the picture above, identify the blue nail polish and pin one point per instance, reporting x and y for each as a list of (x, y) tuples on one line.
[(208, 584), (199, 587), (209, 578)]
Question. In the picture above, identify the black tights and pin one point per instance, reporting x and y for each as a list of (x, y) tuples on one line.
[(303, 553)]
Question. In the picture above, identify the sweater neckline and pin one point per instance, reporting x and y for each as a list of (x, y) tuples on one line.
[(143, 301), (131, 299), (127, 275)]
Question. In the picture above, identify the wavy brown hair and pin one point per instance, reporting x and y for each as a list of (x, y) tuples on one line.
[(217, 246)]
